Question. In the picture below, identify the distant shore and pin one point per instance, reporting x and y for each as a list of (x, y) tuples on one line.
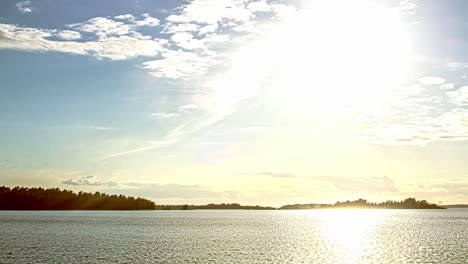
[(22, 198), (408, 203)]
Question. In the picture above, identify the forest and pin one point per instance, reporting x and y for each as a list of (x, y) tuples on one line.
[(408, 203), (22, 198)]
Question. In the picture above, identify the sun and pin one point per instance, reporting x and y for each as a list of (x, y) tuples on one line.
[(341, 54), (332, 56)]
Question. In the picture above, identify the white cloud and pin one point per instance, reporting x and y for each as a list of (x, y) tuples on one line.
[(89, 181), (455, 66), (194, 47), (103, 27), (432, 109), (203, 18), (125, 47), (148, 21), (412, 90), (184, 27), (407, 4), (69, 35), (259, 6), (164, 115), (183, 109), (283, 11), (178, 64), (214, 40), (189, 107), (451, 125), (24, 7), (125, 17), (33, 39), (212, 12), (459, 97), (208, 29), (194, 44), (186, 41), (447, 86), (115, 47), (431, 80), (178, 19)]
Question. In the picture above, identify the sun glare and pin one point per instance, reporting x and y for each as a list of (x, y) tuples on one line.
[(344, 53), (351, 231), (332, 55)]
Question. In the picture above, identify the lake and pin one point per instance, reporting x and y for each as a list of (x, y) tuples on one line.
[(235, 236)]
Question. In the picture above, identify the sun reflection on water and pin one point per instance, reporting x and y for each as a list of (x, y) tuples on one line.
[(350, 233)]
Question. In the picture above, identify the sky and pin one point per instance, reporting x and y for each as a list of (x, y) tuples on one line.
[(248, 101)]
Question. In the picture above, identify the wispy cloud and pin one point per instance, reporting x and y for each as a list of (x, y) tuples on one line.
[(451, 185), (447, 86), (99, 128), (455, 189), (175, 191), (69, 35), (187, 41), (117, 42), (148, 21), (432, 109), (212, 12), (178, 64), (150, 190), (272, 174), (459, 97), (24, 7), (129, 17), (89, 181), (147, 147), (347, 184), (420, 129), (360, 184), (431, 80), (188, 108), (408, 6), (204, 34), (192, 48), (184, 27), (105, 27), (456, 66), (163, 115)]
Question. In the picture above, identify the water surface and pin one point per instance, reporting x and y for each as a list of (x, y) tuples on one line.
[(235, 236)]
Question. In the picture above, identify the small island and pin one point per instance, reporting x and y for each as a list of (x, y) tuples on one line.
[(22, 198), (408, 203)]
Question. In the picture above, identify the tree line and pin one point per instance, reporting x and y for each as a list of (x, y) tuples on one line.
[(22, 198), (213, 206), (408, 203)]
